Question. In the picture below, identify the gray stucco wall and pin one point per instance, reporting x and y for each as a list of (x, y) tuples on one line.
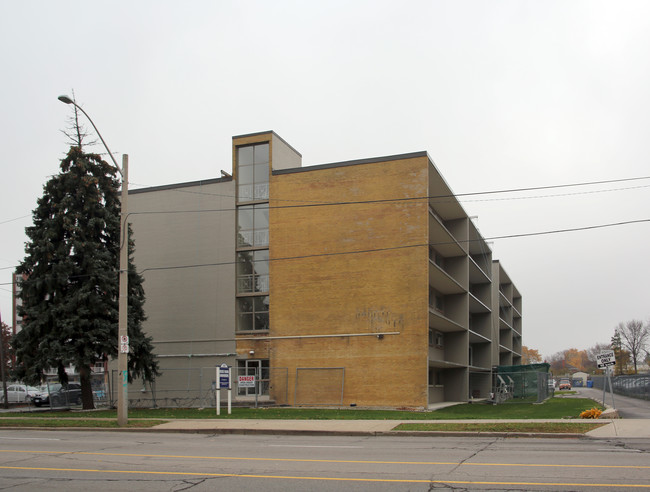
[(284, 156), (186, 253)]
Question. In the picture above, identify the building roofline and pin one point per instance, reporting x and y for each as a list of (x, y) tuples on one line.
[(356, 162), (188, 184), (247, 135)]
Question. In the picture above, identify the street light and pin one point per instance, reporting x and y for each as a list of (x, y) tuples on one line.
[(123, 306)]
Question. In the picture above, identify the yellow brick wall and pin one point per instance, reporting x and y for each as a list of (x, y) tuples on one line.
[(316, 290)]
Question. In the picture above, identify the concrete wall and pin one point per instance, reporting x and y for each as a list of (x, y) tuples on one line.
[(186, 251), (283, 156)]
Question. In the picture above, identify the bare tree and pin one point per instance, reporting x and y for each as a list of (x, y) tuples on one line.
[(634, 336), (592, 352), (76, 133)]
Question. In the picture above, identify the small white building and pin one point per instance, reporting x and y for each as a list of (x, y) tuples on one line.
[(579, 377)]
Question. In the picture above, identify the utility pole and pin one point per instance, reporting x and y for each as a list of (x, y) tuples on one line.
[(123, 301), (2, 363)]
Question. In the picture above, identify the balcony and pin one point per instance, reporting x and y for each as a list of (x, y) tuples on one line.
[(440, 322), (442, 281), (476, 305), (477, 275), (445, 243)]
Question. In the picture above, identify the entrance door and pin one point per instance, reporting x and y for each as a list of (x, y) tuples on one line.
[(254, 367)]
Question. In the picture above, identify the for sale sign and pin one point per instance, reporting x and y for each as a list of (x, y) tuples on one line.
[(606, 359)]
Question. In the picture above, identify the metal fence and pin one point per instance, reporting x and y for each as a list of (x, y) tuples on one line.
[(632, 385), (197, 387), (521, 385), (56, 396)]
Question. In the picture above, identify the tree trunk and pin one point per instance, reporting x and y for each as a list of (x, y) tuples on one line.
[(86, 388)]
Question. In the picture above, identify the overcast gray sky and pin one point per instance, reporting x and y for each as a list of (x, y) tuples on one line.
[(502, 94)]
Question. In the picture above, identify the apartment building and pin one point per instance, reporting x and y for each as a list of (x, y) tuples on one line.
[(353, 283)]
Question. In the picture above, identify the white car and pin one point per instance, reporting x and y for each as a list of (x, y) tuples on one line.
[(18, 393)]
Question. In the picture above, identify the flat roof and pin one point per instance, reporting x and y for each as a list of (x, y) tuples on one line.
[(255, 134), (187, 184), (356, 162)]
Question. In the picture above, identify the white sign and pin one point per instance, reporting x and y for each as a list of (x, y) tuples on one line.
[(606, 359), (246, 381), (124, 344)]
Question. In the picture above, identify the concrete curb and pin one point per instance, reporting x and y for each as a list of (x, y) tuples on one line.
[(312, 432), (609, 413)]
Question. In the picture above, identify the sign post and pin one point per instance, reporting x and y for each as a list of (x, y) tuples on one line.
[(606, 360), (224, 380)]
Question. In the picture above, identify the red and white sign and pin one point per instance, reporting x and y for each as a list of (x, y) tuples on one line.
[(246, 381)]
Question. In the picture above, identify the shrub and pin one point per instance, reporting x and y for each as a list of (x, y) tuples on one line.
[(592, 413)]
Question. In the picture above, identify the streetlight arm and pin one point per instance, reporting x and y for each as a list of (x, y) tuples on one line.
[(67, 100), (123, 306)]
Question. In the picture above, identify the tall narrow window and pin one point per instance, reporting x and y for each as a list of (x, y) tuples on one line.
[(252, 174)]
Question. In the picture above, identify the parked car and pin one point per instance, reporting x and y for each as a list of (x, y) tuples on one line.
[(565, 384), (59, 395), (18, 393)]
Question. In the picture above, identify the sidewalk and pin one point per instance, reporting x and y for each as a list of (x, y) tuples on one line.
[(615, 428)]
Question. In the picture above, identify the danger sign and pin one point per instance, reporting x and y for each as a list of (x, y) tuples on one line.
[(246, 381)]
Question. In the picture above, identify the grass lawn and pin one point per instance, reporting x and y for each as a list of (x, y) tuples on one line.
[(554, 408)]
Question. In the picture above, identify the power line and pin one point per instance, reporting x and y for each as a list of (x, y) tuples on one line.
[(555, 196), (317, 204), (372, 250), (535, 188), (13, 220), (387, 200), (452, 195)]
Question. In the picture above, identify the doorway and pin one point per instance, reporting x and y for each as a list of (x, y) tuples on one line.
[(254, 367)]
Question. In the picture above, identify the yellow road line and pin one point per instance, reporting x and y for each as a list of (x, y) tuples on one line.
[(304, 460), (341, 479)]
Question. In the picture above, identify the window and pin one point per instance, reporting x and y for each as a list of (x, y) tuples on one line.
[(253, 226), (435, 338), (439, 339), (437, 258), (253, 172), (252, 313), (435, 377), (436, 300), (440, 303), (253, 271)]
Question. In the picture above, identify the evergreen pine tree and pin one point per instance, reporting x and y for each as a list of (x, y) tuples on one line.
[(70, 294)]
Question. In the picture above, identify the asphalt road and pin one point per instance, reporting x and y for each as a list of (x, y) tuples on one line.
[(107, 461), (628, 408)]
